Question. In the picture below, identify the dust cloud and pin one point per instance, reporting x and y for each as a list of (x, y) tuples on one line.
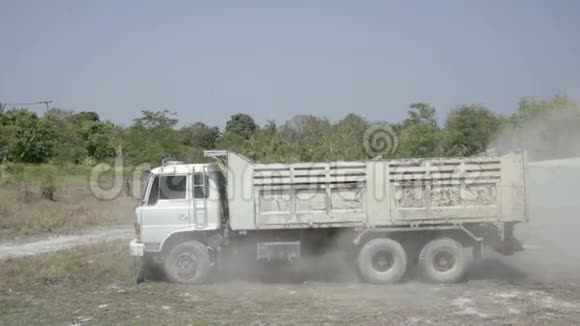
[(546, 135), (552, 236)]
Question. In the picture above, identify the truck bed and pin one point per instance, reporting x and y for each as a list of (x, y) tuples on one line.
[(375, 193)]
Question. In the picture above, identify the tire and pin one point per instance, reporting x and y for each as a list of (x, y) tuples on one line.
[(382, 261), (443, 261), (188, 262)]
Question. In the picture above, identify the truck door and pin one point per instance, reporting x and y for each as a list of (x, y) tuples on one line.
[(166, 209)]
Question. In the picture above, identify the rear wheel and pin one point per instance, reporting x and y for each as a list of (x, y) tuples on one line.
[(443, 261), (188, 262), (382, 261)]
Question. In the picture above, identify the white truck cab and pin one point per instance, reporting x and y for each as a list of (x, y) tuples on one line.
[(178, 198)]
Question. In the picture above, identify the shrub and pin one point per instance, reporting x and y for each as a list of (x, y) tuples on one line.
[(48, 183)]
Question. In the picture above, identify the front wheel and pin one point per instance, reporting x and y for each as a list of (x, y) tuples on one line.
[(382, 261), (443, 261), (188, 262)]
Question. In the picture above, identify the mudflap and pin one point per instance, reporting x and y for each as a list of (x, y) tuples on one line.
[(508, 247), (507, 244)]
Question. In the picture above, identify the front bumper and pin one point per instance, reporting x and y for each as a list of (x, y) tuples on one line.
[(136, 248)]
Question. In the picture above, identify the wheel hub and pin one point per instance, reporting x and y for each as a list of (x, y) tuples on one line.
[(186, 264), (383, 261), (443, 261)]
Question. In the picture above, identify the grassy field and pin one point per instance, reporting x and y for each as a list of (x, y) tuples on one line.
[(49, 200), (93, 265)]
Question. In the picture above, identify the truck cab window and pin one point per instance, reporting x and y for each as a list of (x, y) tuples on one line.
[(172, 187), (200, 185), (167, 188)]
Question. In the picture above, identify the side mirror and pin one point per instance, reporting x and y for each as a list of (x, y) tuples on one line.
[(128, 188), (135, 183)]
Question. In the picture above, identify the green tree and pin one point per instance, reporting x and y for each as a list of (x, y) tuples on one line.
[(102, 143), (100, 138), (422, 113), (419, 135), (470, 129), (267, 145), (231, 141), (309, 137), (69, 146), (5, 134), (156, 120), (347, 138), (153, 137), (32, 138), (200, 135), (86, 116), (241, 124)]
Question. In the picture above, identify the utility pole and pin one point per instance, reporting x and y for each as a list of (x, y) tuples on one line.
[(46, 103)]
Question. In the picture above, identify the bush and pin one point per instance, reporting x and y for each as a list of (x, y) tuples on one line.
[(33, 181), (48, 183), (18, 174)]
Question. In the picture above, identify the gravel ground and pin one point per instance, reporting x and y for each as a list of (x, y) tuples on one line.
[(482, 302), (497, 293)]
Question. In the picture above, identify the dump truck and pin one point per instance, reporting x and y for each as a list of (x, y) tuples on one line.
[(389, 215)]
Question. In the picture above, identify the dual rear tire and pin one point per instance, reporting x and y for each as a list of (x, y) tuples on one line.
[(382, 261), (385, 261), (443, 261)]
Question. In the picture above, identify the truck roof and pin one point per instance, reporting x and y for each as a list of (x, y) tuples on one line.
[(183, 168)]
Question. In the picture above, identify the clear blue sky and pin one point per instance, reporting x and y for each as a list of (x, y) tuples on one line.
[(274, 59)]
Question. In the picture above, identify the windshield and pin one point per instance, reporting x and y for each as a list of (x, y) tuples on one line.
[(141, 188)]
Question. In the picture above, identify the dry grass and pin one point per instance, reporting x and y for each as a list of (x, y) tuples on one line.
[(36, 201), (93, 264)]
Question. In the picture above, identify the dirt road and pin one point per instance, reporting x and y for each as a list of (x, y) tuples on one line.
[(30, 247)]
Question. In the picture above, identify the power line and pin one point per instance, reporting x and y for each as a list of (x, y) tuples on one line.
[(28, 103)]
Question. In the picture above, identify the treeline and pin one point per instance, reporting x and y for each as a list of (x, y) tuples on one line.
[(547, 128)]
